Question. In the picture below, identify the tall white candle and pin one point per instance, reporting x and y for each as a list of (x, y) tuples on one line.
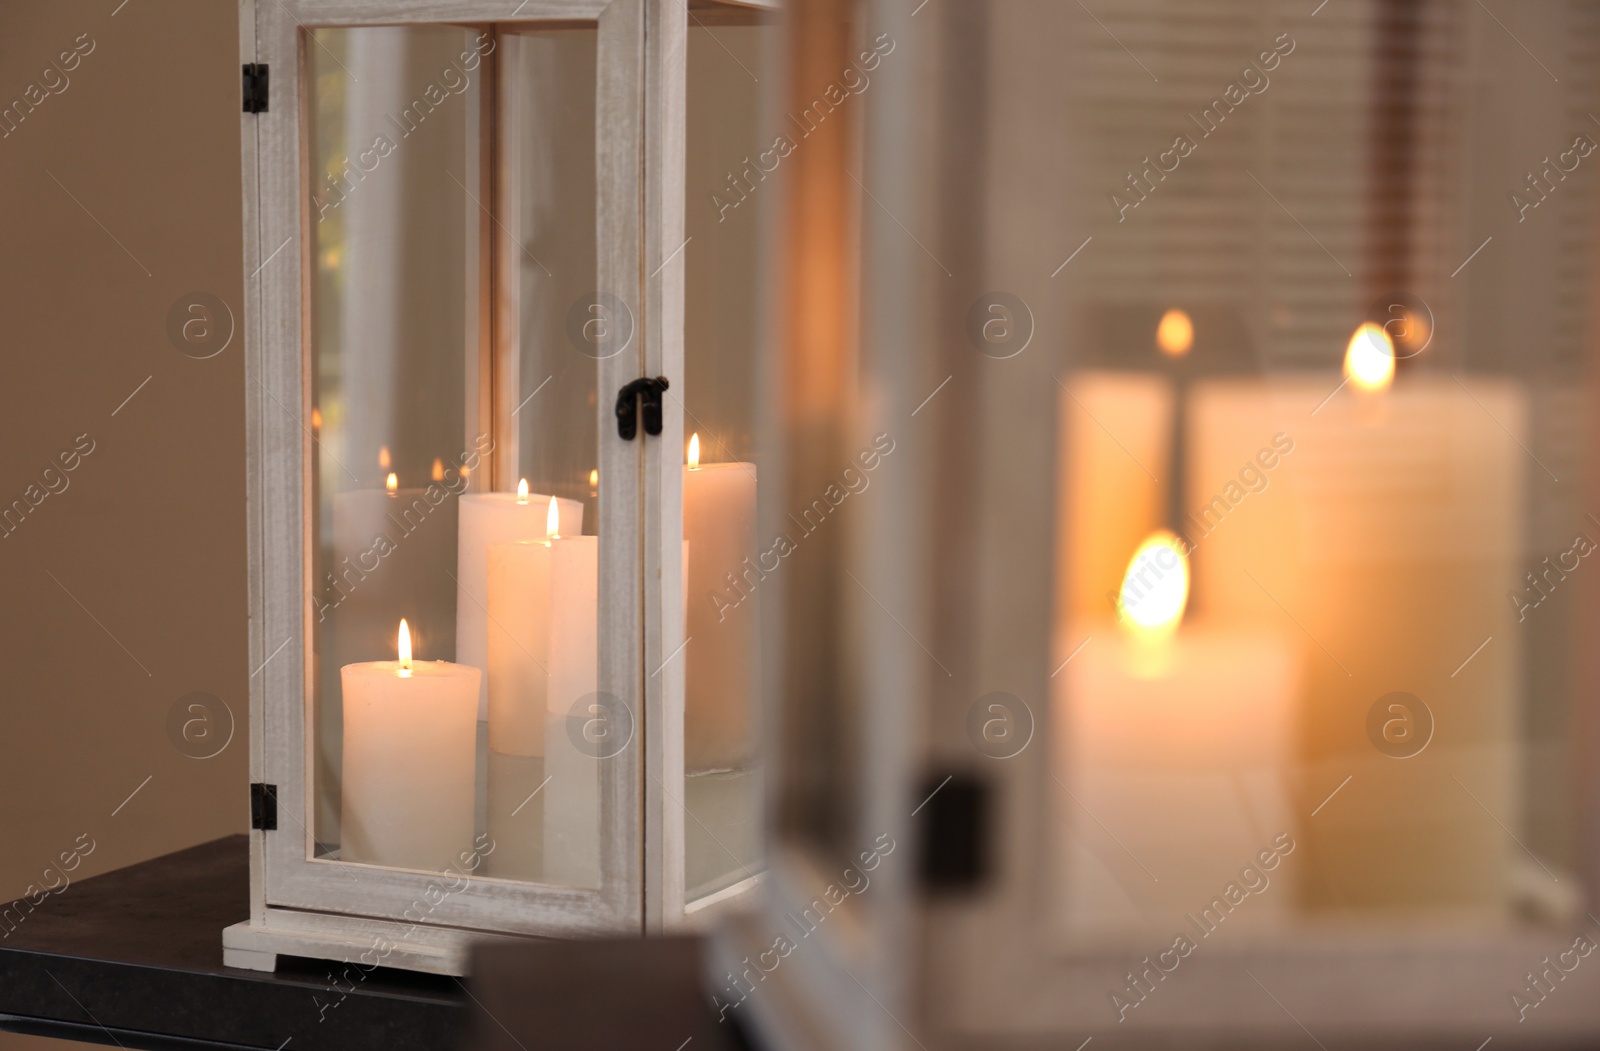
[(1115, 434), (488, 519), (723, 624), (1391, 532), (543, 658), (409, 761)]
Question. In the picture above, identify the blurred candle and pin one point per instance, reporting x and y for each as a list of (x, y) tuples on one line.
[(487, 519), (1389, 525), (409, 760), (1115, 437), (720, 578), (1175, 743)]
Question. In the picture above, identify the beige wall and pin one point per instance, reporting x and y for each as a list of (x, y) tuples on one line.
[(149, 535)]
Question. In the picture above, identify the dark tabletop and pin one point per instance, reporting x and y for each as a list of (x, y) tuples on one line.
[(134, 957)]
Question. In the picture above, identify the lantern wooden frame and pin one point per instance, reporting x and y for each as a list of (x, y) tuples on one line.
[(319, 908)]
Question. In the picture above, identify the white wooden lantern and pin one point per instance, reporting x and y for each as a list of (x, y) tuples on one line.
[(479, 559), (1025, 796)]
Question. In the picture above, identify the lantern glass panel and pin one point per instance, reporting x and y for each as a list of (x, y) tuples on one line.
[(453, 489), (548, 724), (725, 561), (393, 239)]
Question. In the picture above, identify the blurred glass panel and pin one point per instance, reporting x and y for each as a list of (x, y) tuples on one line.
[(1330, 341)]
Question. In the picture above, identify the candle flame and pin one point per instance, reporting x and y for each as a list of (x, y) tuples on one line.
[(694, 452), (383, 457), (316, 418), (522, 491), (594, 478), (1175, 334), (552, 521), (438, 469), (1369, 359), (391, 483), (1155, 588), (404, 647)]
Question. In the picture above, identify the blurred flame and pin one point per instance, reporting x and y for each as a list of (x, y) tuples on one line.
[(1175, 334), (438, 469), (316, 418), (552, 521), (594, 480), (694, 451), (522, 491), (383, 457), (391, 483), (1155, 588), (404, 646), (1369, 359)]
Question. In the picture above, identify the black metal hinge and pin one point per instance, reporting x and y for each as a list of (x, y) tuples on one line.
[(255, 87), (954, 835), (263, 806), (646, 391)]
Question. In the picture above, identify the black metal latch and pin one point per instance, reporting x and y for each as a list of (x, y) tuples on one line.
[(255, 87), (955, 847), (263, 806), (645, 391)]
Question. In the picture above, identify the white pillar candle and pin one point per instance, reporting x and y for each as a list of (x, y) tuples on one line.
[(392, 553), (409, 761), (1182, 761), (488, 519), (572, 797), (1115, 433), (543, 658), (1174, 746), (1391, 532), (719, 528)]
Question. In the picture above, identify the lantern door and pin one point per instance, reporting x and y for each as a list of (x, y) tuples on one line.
[(451, 222)]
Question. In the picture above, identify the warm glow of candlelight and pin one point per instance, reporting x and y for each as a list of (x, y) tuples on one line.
[(1155, 588), (1369, 359), (438, 469), (522, 491), (594, 478), (404, 647), (383, 457), (1175, 334), (552, 521), (316, 418), (694, 452), (391, 483)]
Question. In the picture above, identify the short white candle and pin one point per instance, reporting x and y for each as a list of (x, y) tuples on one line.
[(410, 731), (488, 519), (1174, 744), (719, 526)]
